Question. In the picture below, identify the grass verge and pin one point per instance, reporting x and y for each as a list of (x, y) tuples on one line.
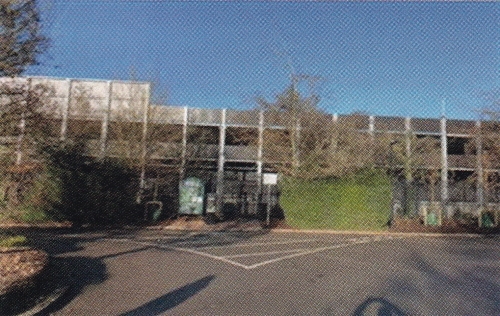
[(12, 241), (360, 202)]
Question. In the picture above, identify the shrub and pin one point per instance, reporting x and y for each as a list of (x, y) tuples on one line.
[(358, 202), (12, 241), (91, 191)]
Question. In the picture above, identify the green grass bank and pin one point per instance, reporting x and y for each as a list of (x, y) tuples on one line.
[(8, 241), (359, 202)]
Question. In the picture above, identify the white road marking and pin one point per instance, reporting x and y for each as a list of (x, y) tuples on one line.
[(192, 251), (361, 241), (295, 252), (266, 253), (249, 244)]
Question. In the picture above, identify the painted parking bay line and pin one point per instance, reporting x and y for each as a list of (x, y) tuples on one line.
[(250, 244), (264, 253), (188, 250), (316, 250), (227, 259)]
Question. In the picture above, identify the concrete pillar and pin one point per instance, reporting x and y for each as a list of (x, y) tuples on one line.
[(371, 132), (20, 139), (65, 111), (105, 123), (479, 166), (295, 134), (444, 162), (260, 153), (407, 136), (22, 129), (184, 144), (144, 139), (220, 167), (371, 125)]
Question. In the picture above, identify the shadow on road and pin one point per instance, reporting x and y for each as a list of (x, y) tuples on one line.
[(79, 263), (450, 276), (79, 272), (171, 299), (381, 306)]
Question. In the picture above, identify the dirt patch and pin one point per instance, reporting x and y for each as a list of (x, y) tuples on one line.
[(27, 278), (199, 223), (9, 223), (447, 227), (19, 267)]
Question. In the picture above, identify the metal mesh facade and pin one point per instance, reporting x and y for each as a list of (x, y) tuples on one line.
[(231, 149)]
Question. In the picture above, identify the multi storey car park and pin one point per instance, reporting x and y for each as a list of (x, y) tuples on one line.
[(169, 143)]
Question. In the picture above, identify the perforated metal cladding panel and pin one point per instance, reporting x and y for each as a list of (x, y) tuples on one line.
[(129, 101), (185, 140), (204, 116), (242, 118), (163, 114), (385, 123), (460, 127), (425, 125)]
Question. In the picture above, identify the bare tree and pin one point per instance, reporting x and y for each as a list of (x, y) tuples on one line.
[(312, 145), (487, 147), (418, 159)]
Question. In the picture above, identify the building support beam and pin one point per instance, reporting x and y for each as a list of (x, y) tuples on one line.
[(371, 125), (444, 162), (219, 191), (407, 172), (479, 167), (335, 118), (407, 136), (182, 171), (371, 132), (65, 111), (105, 123), (260, 154), (22, 128), (144, 142)]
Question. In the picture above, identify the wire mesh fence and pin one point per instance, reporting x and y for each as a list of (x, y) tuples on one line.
[(367, 170)]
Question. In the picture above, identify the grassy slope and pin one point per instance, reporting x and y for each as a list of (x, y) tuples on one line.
[(12, 241), (360, 203)]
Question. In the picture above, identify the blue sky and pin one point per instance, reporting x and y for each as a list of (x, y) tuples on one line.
[(382, 58)]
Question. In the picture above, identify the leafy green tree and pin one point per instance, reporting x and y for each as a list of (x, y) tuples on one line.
[(21, 104), (88, 190), (21, 40)]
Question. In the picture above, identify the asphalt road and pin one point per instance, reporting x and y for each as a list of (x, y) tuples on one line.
[(258, 273)]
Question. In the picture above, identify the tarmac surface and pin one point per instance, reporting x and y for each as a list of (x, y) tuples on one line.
[(158, 272)]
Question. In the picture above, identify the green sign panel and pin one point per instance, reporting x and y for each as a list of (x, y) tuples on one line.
[(191, 196)]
